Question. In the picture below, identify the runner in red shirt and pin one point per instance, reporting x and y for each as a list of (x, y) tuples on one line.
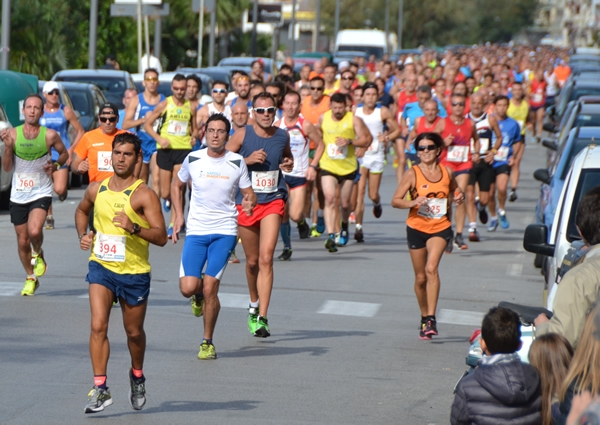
[(408, 95), (537, 101)]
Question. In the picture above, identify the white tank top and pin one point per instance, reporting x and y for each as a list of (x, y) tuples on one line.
[(484, 131), (299, 144), (374, 123), (212, 110)]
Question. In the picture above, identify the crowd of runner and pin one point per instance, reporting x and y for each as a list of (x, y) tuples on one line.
[(269, 151)]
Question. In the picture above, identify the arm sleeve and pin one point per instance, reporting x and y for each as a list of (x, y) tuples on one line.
[(244, 178), (184, 171)]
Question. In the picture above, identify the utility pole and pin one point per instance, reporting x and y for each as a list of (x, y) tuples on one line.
[(158, 37), (139, 35), (200, 32), (211, 43), (5, 42), (387, 26), (315, 40), (293, 26), (254, 23), (93, 34), (337, 19), (400, 10)]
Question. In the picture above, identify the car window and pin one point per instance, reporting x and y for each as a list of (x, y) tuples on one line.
[(82, 102), (589, 179), (576, 147)]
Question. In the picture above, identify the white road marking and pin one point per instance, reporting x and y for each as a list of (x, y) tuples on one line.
[(514, 269), (460, 317), (348, 308), (9, 289), (234, 300)]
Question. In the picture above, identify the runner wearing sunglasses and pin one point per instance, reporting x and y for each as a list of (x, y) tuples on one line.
[(266, 150), (93, 152), (217, 106), (433, 188)]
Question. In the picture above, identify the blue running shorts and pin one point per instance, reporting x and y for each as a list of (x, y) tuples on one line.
[(210, 250), (133, 288)]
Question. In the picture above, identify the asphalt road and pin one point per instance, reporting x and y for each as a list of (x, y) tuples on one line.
[(344, 347)]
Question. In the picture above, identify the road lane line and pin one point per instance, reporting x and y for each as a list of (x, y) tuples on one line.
[(9, 289), (348, 308), (514, 269), (234, 300), (460, 317)]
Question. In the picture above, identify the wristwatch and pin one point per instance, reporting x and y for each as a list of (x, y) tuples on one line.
[(136, 229), (58, 165)]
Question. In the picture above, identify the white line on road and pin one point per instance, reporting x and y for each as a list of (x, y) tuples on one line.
[(460, 317), (348, 308), (514, 269), (9, 289), (234, 300)]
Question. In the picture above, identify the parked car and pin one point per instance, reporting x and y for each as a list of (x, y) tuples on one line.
[(572, 90), (87, 100), (216, 73), (5, 178), (348, 55), (112, 82), (271, 67), (15, 88), (582, 175), (166, 78), (553, 179)]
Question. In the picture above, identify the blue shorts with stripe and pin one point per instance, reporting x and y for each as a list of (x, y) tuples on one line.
[(212, 251), (133, 288)]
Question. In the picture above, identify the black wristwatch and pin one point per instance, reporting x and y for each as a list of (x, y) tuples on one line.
[(136, 229)]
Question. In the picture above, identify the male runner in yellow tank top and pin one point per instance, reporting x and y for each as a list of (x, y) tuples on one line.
[(518, 109), (127, 218)]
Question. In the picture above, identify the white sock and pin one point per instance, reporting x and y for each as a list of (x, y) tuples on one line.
[(473, 225), (358, 226), (501, 212), (253, 305)]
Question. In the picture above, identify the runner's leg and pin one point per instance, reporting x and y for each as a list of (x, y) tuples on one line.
[(359, 211), (435, 248), (269, 228), (101, 301), (419, 261), (329, 185), (133, 321)]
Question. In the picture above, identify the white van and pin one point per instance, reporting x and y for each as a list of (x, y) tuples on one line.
[(372, 42), (583, 175)]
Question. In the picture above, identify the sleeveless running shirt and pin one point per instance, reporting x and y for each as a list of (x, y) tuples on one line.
[(374, 123), (337, 160), (458, 154), (141, 110), (30, 182), (433, 217), (115, 248), (484, 131), (267, 180), (299, 144), (519, 114), (58, 122), (424, 128), (176, 125)]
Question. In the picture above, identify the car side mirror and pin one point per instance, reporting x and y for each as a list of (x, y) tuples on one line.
[(536, 240), (542, 175), (549, 127), (551, 110), (549, 143)]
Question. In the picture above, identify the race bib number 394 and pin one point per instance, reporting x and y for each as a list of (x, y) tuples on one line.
[(110, 247), (265, 181)]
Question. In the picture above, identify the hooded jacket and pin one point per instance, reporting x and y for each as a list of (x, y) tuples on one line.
[(500, 393)]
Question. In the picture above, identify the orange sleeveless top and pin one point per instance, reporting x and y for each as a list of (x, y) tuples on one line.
[(433, 217)]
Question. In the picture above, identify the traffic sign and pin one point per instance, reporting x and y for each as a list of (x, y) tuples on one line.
[(153, 2), (270, 13), (209, 6), (130, 9)]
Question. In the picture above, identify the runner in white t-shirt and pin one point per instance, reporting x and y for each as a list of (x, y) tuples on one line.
[(212, 223)]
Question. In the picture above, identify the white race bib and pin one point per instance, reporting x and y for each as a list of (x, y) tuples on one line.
[(502, 154), (26, 182), (110, 247), (105, 161), (265, 181), (484, 145), (435, 208), (537, 98), (374, 147), (177, 128), (458, 153), (337, 152)]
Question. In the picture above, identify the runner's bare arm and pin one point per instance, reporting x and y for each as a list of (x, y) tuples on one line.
[(146, 203), (406, 184), (235, 142), (177, 187), (8, 137), (74, 122), (476, 142), (413, 133), (201, 118), (496, 129), (388, 119), (153, 116), (313, 134), (287, 164), (249, 201), (128, 121), (363, 135), (82, 213)]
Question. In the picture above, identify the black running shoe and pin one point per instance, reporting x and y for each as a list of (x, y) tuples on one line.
[(483, 215), (430, 327), (358, 236), (303, 229), (330, 245), (422, 334), (377, 210), (513, 196), (137, 391), (459, 242), (285, 255)]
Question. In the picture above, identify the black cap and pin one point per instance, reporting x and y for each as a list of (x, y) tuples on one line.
[(111, 106)]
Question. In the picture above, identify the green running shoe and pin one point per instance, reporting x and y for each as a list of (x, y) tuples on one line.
[(31, 285), (98, 399), (38, 263), (262, 327), (207, 351), (197, 305), (252, 319)]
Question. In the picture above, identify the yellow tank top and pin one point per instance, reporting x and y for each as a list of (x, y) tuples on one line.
[(519, 113), (176, 125), (114, 248), (336, 160)]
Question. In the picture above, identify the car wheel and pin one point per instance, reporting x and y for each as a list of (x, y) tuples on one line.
[(538, 262)]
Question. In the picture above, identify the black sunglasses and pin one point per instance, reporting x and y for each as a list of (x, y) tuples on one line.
[(424, 148), (53, 92), (269, 110), (317, 88), (458, 103), (107, 119)]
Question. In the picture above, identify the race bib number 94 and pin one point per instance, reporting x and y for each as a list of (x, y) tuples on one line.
[(435, 208), (26, 182), (110, 247), (265, 181)]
